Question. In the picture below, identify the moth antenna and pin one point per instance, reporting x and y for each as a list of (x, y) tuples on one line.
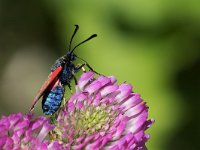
[(91, 37), (75, 30)]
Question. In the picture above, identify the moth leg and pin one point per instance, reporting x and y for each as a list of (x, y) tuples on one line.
[(69, 86), (91, 68), (75, 80), (86, 63), (80, 66), (77, 69), (83, 69)]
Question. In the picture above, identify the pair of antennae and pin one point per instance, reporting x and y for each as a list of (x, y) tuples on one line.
[(76, 29)]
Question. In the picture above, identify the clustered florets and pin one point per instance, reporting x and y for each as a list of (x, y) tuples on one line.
[(25, 132), (99, 115)]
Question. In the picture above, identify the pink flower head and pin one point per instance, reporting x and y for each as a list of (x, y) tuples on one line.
[(25, 133), (103, 115)]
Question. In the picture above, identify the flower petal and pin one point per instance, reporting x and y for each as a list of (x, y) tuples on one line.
[(125, 91), (84, 79)]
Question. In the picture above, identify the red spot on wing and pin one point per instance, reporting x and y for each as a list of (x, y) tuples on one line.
[(52, 80)]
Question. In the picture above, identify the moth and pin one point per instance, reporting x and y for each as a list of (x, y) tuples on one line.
[(62, 73)]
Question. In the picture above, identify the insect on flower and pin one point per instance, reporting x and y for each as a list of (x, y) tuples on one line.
[(62, 72)]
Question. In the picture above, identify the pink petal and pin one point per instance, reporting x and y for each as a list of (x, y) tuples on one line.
[(73, 97), (104, 80), (71, 106), (21, 125), (108, 89), (79, 105), (89, 138), (3, 141), (135, 124), (94, 146), (93, 87), (120, 130), (139, 136), (132, 112), (125, 91), (112, 79), (79, 146), (84, 79), (14, 118), (3, 130), (45, 130), (81, 97), (132, 101), (107, 138), (55, 146), (9, 144), (80, 139)]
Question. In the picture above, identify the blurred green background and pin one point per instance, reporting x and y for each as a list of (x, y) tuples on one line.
[(154, 45)]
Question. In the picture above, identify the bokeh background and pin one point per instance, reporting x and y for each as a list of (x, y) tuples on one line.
[(154, 45)]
